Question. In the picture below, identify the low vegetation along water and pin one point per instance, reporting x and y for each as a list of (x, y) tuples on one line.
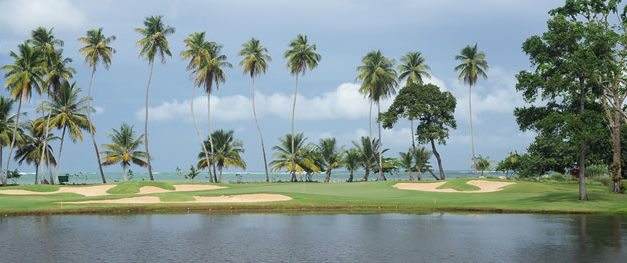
[(316, 238)]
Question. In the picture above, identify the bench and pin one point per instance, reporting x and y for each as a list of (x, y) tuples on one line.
[(63, 179)]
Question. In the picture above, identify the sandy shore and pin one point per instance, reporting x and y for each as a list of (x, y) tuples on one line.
[(484, 187), (100, 190), (245, 198)]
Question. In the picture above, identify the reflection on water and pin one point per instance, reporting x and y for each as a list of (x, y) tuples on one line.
[(314, 238)]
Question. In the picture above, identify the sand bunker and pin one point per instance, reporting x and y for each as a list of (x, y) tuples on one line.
[(246, 198), (484, 187), (100, 190)]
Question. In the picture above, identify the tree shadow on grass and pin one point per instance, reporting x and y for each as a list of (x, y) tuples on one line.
[(564, 197)]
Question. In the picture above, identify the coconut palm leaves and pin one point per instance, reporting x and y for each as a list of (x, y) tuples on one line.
[(366, 148), (227, 152), (255, 62), (22, 77), (97, 51), (331, 156), (473, 64), (299, 161), (123, 149), (352, 161), (378, 82), (406, 162), (301, 56), (413, 68), (7, 125), (30, 149), (153, 43)]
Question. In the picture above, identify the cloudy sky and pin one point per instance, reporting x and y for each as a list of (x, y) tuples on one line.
[(328, 104)]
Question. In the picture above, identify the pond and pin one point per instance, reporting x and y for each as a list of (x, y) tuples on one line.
[(437, 237)]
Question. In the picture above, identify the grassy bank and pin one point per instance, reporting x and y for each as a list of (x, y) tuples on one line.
[(525, 197)]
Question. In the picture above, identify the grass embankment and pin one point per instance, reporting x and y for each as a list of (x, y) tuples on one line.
[(523, 197)]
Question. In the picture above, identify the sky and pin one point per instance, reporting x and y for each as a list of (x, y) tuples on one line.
[(328, 104)]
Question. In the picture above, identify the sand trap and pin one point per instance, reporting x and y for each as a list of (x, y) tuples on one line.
[(484, 187), (246, 198), (100, 190)]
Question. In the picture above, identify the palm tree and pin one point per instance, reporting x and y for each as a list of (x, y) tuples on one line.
[(227, 152), (414, 69), (68, 112), (30, 150), (96, 50), (123, 149), (255, 62), (22, 77), (379, 81), (153, 43), (421, 161), (7, 122), (352, 161), (297, 162), (472, 65), (366, 147), (406, 161), (331, 156), (197, 52), (300, 56)]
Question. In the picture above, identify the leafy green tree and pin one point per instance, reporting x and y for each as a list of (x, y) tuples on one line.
[(413, 68), (472, 65), (7, 124), (97, 50), (23, 76), (482, 164), (226, 152), (510, 164), (331, 156), (303, 161), (379, 81), (193, 173), (352, 162), (255, 62), (153, 43), (68, 112), (433, 109), (123, 149), (30, 150), (406, 162), (301, 56)]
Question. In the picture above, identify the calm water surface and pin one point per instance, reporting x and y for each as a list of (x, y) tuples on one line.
[(314, 238)]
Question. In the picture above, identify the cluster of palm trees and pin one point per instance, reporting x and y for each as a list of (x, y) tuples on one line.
[(40, 67)]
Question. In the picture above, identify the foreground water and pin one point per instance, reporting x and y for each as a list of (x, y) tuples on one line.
[(314, 238), (232, 177)]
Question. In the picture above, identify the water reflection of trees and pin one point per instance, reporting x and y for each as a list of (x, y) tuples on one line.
[(599, 238)]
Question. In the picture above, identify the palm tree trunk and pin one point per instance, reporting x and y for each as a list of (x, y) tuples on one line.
[(125, 173), (413, 136), (56, 177), (350, 176), (411, 176), (36, 173), (327, 178), (202, 142), (370, 122), (293, 146), (366, 174), (263, 148), (583, 194), (438, 159), (1, 172), (213, 164), (381, 175), (91, 127), (46, 133), (17, 123), (221, 172), (146, 123), (472, 131)]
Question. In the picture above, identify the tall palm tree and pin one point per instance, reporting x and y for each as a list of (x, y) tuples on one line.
[(68, 112), (124, 149), (197, 51), (415, 70), (255, 62), (301, 56), (96, 50), (153, 43), (227, 152), (7, 123), (473, 64), (352, 161), (379, 81), (30, 150), (294, 162), (22, 77), (406, 161), (331, 156)]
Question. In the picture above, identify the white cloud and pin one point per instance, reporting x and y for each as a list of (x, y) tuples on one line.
[(345, 102), (99, 110), (22, 16)]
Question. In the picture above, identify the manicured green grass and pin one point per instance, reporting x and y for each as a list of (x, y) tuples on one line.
[(524, 197), (459, 185), (36, 187), (132, 187)]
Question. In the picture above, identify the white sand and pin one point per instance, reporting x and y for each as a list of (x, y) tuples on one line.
[(100, 190), (245, 198), (484, 186)]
